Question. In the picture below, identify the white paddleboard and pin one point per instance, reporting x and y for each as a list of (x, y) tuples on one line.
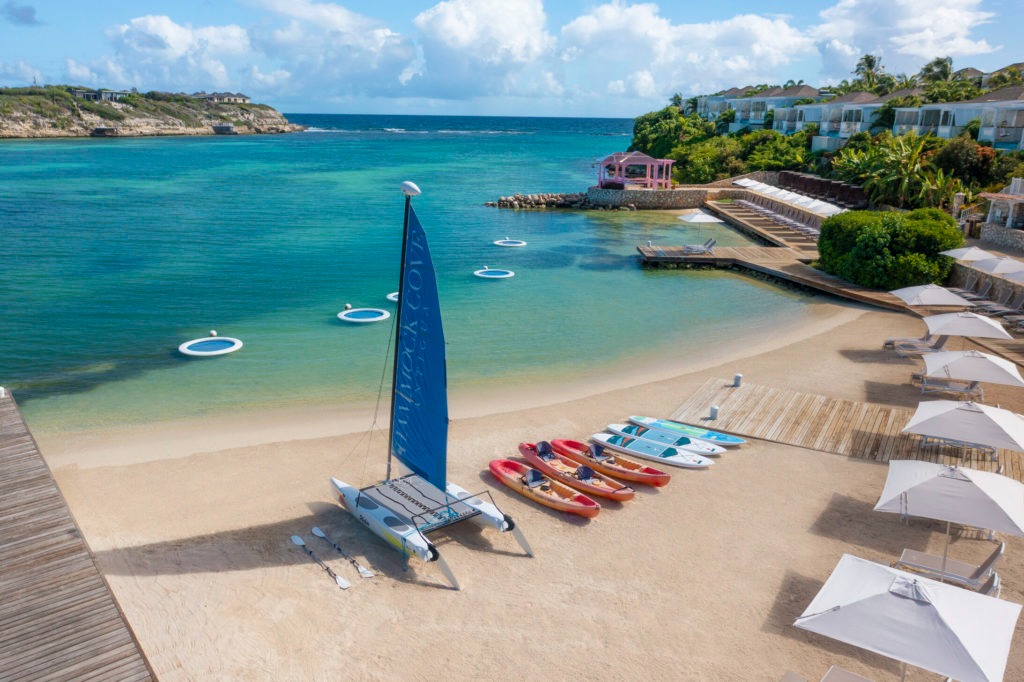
[(699, 432), (649, 450), (664, 438)]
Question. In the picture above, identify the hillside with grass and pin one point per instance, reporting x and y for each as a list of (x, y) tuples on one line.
[(52, 111)]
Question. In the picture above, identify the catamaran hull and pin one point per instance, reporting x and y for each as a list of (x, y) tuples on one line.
[(398, 532)]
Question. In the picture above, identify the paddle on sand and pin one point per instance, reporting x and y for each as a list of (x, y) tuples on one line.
[(342, 583), (363, 571)]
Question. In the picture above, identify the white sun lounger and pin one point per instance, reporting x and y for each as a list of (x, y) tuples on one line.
[(971, 576)]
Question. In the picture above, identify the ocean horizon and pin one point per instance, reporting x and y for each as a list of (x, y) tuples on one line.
[(118, 250)]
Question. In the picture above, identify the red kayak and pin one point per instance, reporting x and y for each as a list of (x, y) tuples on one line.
[(607, 462), (569, 471), (531, 483)]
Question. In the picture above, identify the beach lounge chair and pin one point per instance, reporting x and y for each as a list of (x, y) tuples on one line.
[(837, 674), (960, 445), (706, 247), (905, 349), (968, 287), (1009, 302), (978, 297), (968, 389), (971, 576), (891, 343)]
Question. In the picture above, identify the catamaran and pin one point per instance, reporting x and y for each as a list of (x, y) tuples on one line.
[(404, 509)]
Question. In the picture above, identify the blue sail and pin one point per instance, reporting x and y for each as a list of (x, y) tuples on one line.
[(419, 434)]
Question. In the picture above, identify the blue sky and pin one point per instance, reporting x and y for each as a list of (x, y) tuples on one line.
[(487, 57)]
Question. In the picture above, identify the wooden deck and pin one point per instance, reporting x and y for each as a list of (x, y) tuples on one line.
[(779, 262), (58, 619), (759, 226), (842, 427)]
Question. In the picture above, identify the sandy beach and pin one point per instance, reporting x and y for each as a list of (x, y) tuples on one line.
[(700, 580)]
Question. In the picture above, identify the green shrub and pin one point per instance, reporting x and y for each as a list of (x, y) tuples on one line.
[(888, 250)]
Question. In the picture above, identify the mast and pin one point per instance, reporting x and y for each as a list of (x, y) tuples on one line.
[(409, 189)]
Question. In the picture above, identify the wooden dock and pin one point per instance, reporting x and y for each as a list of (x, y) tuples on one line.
[(779, 262), (58, 618), (816, 422)]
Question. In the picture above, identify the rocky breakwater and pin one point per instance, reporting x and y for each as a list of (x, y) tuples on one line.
[(576, 200)]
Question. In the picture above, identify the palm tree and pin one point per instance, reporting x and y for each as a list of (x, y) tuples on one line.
[(677, 101), (792, 83), (691, 106), (1008, 76), (937, 70), (869, 68), (905, 82)]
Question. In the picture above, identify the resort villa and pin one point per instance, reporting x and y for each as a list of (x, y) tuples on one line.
[(1001, 113)]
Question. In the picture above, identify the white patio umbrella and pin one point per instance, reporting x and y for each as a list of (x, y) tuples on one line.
[(917, 621), (972, 365), (970, 497), (952, 494), (966, 324), (968, 253), (998, 266), (967, 422), (700, 217), (1017, 276), (929, 294), (744, 182)]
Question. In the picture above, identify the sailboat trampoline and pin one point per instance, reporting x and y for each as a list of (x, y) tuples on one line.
[(404, 509)]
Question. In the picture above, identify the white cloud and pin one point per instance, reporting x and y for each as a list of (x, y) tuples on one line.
[(20, 72), (905, 33), (644, 55), (473, 47)]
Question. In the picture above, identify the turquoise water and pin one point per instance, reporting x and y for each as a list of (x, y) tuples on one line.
[(115, 251)]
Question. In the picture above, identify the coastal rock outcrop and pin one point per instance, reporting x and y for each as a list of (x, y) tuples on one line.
[(576, 200), (42, 116)]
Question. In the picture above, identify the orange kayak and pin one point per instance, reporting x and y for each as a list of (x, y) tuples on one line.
[(568, 471), (531, 483), (610, 463)]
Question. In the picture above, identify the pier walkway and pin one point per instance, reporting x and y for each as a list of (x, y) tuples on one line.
[(58, 618), (842, 427), (782, 263)]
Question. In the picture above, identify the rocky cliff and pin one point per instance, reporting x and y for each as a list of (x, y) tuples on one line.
[(53, 112)]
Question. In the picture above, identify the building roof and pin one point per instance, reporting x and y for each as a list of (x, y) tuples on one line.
[(1010, 93), (799, 91), (631, 157), (860, 97), (968, 72), (905, 92), (1019, 66)]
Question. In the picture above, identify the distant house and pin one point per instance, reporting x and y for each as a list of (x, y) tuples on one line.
[(752, 110), (223, 97), (100, 95)]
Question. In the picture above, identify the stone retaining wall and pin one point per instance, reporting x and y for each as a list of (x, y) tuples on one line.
[(1003, 236)]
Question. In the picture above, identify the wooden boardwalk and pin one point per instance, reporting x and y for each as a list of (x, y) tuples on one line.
[(781, 263), (58, 619), (842, 427)]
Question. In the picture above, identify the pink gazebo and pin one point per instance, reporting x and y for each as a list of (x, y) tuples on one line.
[(623, 170)]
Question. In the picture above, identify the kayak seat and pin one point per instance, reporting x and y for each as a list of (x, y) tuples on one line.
[(544, 450), (584, 473), (597, 452), (533, 478)]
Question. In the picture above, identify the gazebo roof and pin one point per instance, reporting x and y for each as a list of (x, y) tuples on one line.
[(629, 157)]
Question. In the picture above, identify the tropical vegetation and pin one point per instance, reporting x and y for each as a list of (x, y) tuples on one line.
[(888, 250)]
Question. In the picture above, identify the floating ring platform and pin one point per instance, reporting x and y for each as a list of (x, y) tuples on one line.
[(363, 315), (510, 242), (393, 297), (494, 273), (210, 346)]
